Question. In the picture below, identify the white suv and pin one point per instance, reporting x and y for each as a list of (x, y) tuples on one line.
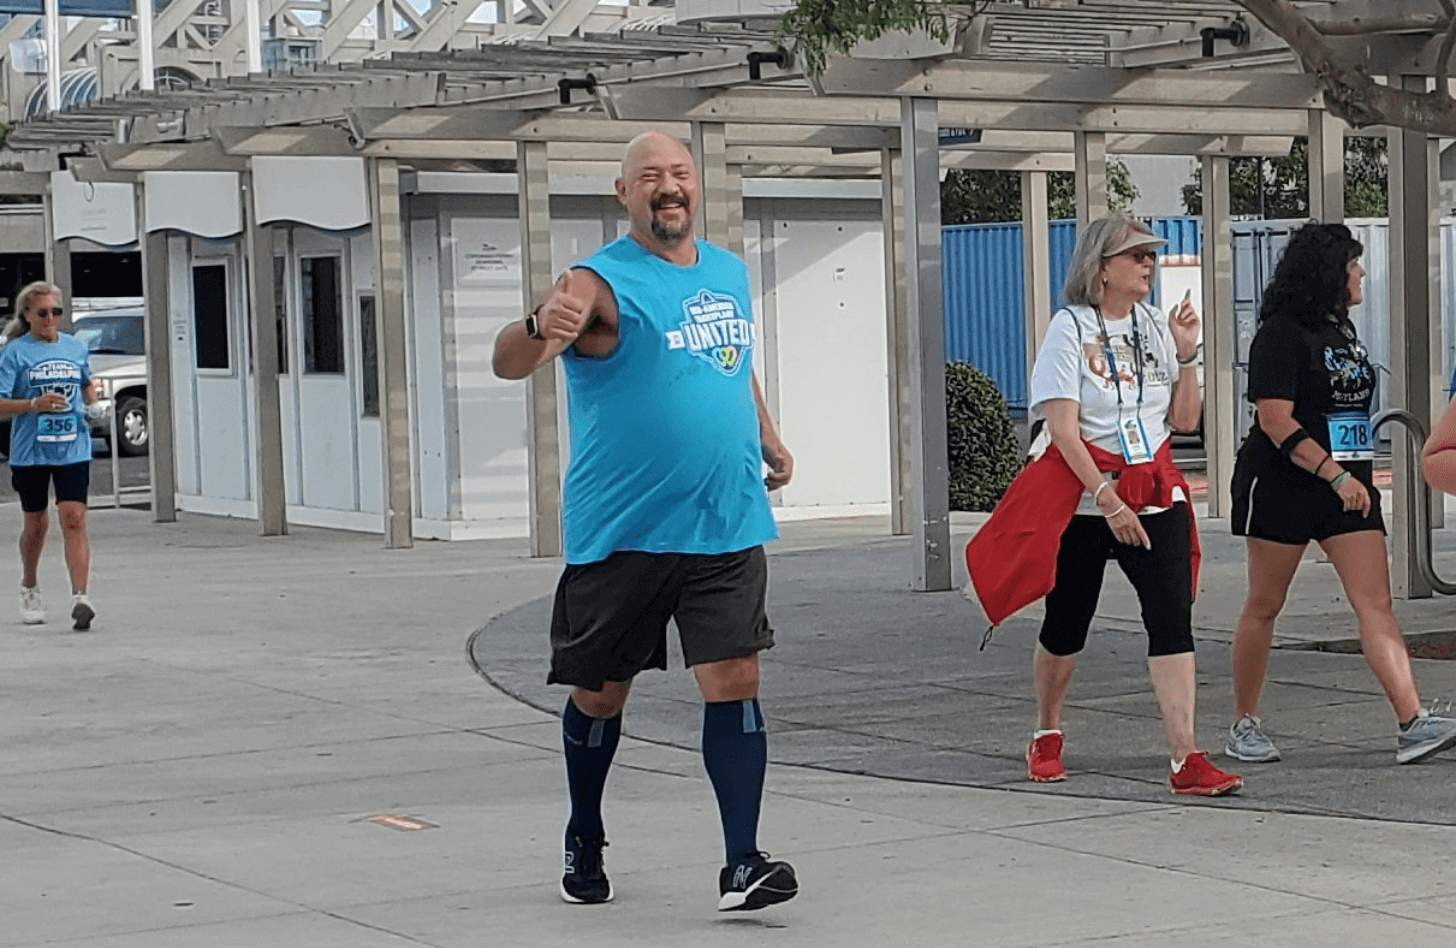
[(117, 340)]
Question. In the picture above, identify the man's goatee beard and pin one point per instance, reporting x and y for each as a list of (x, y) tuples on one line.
[(671, 236)]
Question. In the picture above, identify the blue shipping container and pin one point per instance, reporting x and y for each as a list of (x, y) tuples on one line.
[(985, 301)]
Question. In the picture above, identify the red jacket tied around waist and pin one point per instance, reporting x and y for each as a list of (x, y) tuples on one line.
[(1012, 559)]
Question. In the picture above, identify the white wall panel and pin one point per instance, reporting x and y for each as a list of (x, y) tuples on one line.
[(427, 318), (831, 360), (184, 395), (485, 272)]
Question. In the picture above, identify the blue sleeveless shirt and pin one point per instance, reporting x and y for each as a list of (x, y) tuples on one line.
[(665, 454)]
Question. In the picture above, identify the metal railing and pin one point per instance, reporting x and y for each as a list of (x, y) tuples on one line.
[(1415, 430)]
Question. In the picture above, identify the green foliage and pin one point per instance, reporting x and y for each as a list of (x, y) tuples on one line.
[(984, 451), (822, 26), (988, 197), (1274, 188)]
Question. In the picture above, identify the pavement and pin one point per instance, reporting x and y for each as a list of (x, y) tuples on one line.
[(313, 741)]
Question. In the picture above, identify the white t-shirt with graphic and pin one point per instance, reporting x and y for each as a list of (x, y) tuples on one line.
[(1072, 364)]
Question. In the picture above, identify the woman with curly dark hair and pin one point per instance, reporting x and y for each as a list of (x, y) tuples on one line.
[(1305, 473)]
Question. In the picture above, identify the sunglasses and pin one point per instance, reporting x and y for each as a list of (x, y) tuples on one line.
[(57, 312), (1140, 255)]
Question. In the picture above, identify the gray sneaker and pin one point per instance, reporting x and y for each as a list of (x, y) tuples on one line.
[(1246, 741), (1424, 736)]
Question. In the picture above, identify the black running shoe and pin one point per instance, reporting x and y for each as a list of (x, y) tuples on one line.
[(754, 882), (585, 881)]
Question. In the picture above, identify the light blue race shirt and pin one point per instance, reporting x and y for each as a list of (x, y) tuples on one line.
[(30, 368), (665, 451)]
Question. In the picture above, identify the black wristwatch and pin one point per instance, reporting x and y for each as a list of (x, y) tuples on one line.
[(532, 330)]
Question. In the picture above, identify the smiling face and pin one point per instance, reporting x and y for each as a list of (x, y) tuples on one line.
[(1128, 275), (44, 316), (1354, 275), (659, 188)]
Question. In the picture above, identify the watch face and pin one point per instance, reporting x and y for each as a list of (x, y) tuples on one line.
[(531, 329)]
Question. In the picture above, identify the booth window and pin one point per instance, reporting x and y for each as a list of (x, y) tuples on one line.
[(280, 311), (210, 316), (369, 361), (323, 316)]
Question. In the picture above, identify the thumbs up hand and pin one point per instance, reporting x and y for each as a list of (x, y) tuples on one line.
[(568, 307)]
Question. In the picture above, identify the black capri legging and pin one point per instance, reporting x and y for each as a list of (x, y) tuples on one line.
[(1162, 577)]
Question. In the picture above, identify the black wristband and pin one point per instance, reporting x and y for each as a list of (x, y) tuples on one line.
[(533, 331), (1287, 446)]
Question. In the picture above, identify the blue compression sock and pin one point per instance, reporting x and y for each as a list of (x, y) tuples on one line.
[(735, 753), (589, 743)]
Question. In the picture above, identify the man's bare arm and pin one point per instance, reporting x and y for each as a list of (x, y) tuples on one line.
[(775, 454), (565, 314)]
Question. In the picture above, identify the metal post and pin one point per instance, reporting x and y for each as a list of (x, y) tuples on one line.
[(389, 318), (263, 333), (146, 50), (1326, 167), (924, 302), (1412, 235), (53, 40), (544, 436), (897, 327), (1090, 171), (709, 147), (253, 35), (1220, 394), (1036, 265), (161, 423)]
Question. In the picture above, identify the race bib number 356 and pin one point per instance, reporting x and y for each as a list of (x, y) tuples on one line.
[(52, 428)]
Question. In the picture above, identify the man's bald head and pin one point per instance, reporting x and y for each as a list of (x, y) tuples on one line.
[(652, 143)]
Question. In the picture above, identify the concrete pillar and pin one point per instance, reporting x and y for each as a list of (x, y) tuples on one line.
[(57, 260), (1036, 265), (897, 328), (735, 208), (924, 303), (536, 279), (1414, 268), (161, 419), (1220, 394), (263, 335), (392, 339), (1090, 170), (709, 148), (1326, 167)]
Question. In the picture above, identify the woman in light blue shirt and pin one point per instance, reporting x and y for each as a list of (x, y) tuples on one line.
[(45, 386)]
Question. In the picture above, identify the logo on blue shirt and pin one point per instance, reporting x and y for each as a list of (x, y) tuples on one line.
[(714, 331)]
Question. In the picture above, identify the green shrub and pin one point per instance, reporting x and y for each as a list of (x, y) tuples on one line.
[(983, 448)]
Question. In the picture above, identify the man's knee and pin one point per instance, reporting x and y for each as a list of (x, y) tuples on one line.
[(72, 517), (733, 679), (607, 702)]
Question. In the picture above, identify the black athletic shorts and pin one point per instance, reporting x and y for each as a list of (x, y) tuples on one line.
[(1292, 510), (33, 484), (610, 618)]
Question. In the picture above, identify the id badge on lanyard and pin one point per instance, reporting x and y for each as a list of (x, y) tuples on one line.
[(1350, 438), (1133, 437)]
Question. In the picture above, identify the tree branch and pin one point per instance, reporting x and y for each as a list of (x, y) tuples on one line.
[(1349, 92), (1358, 26)]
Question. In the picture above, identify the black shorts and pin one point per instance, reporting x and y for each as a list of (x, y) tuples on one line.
[(610, 618), (33, 483), (1283, 509), (1162, 578)]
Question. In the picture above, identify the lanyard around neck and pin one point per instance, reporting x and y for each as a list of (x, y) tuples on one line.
[(1137, 349)]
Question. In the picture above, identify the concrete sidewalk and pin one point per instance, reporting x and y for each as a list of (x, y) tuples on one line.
[(199, 771)]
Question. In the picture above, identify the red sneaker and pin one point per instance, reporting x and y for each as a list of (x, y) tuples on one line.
[(1044, 759), (1199, 778)]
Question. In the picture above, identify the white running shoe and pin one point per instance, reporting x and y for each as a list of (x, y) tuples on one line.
[(81, 612), (32, 610)]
